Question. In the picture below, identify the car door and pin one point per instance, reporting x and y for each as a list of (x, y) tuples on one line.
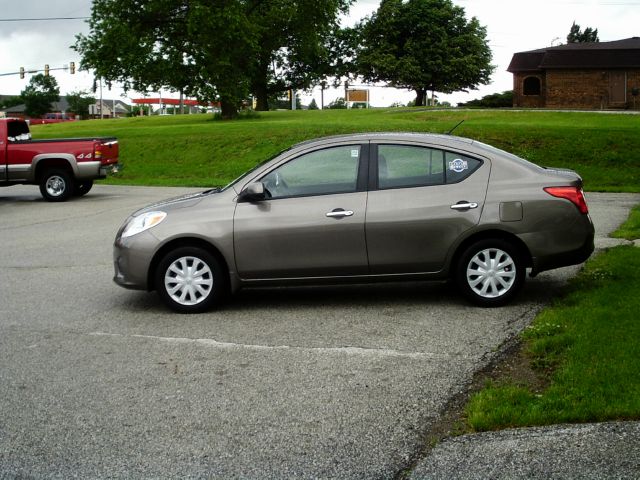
[(312, 224), (422, 200)]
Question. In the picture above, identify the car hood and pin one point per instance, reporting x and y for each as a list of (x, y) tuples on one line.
[(182, 201)]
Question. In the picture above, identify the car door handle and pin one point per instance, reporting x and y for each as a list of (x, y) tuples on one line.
[(339, 213), (464, 205)]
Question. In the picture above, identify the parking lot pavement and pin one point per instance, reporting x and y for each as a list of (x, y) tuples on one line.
[(340, 382), (590, 451)]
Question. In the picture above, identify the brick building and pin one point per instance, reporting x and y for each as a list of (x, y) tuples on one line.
[(604, 75)]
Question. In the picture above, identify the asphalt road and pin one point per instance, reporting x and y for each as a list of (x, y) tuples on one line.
[(341, 382)]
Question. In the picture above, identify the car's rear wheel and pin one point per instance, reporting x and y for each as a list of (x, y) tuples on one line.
[(490, 272), (56, 185), (191, 280), (82, 188)]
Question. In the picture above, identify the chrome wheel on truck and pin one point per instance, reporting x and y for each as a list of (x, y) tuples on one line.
[(56, 185)]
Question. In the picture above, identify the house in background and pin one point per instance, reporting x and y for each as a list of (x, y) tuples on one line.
[(110, 109), (59, 109), (594, 76)]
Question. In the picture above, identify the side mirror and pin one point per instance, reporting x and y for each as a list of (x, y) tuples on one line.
[(254, 192)]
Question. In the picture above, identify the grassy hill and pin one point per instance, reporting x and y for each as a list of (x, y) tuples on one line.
[(194, 150)]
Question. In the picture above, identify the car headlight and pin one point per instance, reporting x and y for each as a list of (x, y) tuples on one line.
[(143, 222)]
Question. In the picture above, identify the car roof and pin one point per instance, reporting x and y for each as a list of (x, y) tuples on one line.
[(391, 136)]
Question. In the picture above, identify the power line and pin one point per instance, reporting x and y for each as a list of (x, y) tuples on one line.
[(41, 19)]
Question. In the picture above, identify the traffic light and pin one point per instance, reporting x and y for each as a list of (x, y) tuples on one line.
[(72, 68), (21, 72), (46, 70)]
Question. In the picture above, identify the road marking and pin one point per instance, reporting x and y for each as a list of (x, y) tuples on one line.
[(349, 350)]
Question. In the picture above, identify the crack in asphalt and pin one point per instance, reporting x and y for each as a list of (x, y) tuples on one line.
[(347, 349)]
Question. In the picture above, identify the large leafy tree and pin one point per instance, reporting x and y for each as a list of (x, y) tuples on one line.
[(144, 44), (39, 94), (220, 50), (576, 35), (293, 43), (424, 45)]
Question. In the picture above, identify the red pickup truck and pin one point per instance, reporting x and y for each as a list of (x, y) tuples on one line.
[(62, 168)]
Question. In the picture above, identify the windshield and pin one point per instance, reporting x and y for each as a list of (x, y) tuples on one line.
[(249, 172)]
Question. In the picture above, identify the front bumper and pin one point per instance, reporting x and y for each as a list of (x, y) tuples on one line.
[(132, 259)]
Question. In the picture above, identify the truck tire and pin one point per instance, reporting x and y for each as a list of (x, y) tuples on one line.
[(82, 188), (56, 185)]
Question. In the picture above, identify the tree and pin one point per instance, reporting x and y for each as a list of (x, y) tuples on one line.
[(424, 45), (578, 36), (38, 96), (196, 47), (79, 102), (9, 102), (495, 100), (313, 105), (338, 104), (292, 51), (216, 51)]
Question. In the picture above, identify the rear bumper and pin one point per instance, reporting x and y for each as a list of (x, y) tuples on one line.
[(565, 259), (95, 170), (110, 169)]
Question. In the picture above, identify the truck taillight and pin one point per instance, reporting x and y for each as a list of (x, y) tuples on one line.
[(98, 154), (573, 194)]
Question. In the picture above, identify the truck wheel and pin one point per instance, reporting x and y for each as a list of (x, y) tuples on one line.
[(82, 188), (56, 185), (191, 280), (490, 272)]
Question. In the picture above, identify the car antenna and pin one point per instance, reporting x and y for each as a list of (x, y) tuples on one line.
[(459, 123)]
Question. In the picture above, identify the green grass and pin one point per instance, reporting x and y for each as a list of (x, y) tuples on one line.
[(588, 344), (193, 150), (631, 228)]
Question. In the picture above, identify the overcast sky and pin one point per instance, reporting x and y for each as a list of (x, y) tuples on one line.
[(513, 26)]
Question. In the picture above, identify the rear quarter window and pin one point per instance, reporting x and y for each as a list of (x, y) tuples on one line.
[(458, 167)]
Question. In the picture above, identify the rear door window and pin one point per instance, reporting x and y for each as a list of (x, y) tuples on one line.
[(402, 166)]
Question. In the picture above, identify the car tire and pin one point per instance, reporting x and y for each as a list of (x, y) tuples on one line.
[(191, 280), (56, 185), (82, 188), (490, 272)]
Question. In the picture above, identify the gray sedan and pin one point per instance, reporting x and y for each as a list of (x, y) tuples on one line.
[(362, 208)]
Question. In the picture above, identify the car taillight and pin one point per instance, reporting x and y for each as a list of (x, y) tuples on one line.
[(573, 194)]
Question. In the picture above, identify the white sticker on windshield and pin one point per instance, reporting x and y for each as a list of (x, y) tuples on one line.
[(458, 165), (355, 153)]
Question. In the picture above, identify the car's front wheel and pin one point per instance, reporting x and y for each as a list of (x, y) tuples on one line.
[(191, 280), (490, 272)]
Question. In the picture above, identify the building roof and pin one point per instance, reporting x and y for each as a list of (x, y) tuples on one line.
[(63, 105), (617, 54)]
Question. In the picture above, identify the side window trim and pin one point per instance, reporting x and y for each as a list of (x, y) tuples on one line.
[(364, 167)]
